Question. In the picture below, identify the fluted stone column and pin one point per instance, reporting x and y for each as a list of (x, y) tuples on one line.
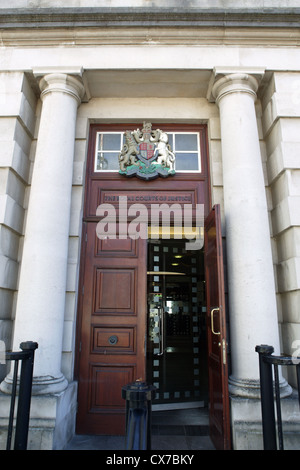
[(42, 286), (252, 298)]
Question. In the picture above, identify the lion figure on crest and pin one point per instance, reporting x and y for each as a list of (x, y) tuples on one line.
[(129, 152), (166, 157)]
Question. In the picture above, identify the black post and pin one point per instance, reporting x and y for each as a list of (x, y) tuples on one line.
[(138, 396), (24, 396), (12, 406), (267, 398), (298, 380)]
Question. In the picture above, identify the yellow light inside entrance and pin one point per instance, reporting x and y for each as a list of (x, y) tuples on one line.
[(156, 232)]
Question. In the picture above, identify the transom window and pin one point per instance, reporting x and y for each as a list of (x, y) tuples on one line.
[(185, 145)]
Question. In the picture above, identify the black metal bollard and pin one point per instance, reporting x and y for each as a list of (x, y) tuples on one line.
[(267, 397), (138, 396)]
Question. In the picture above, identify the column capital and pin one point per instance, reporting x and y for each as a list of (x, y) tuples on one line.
[(233, 80), (61, 80)]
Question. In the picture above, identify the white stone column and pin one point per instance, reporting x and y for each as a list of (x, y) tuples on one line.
[(42, 286), (251, 286)]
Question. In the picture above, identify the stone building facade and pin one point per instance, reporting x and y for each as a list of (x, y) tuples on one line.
[(233, 67)]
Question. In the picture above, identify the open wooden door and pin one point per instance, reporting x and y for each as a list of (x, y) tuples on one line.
[(113, 328), (216, 331)]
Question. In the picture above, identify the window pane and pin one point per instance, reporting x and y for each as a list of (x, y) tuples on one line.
[(108, 161), (170, 141), (186, 142), (186, 161), (185, 146), (110, 142)]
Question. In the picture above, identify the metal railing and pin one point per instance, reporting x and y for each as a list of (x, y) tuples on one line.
[(266, 363), (26, 356)]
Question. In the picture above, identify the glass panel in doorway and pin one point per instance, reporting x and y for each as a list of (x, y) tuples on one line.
[(176, 347)]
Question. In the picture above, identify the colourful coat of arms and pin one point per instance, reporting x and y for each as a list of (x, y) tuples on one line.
[(146, 154)]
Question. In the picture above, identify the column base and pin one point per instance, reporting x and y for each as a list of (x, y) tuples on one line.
[(246, 423), (249, 388), (40, 385), (52, 419)]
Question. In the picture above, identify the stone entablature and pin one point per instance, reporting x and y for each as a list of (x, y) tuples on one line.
[(26, 14)]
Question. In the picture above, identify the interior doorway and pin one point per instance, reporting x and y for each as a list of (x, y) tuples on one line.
[(176, 325)]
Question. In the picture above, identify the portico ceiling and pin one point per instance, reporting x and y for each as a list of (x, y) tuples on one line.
[(147, 83)]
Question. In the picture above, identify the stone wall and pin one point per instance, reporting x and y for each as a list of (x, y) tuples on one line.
[(17, 128), (281, 120)]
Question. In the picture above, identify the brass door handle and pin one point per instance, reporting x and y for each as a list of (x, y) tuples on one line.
[(217, 309)]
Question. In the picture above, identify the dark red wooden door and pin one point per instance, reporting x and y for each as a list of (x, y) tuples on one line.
[(216, 331), (113, 330)]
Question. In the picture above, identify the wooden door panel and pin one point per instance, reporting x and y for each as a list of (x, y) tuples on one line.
[(113, 328), (216, 332), (114, 248), (113, 340), (115, 291), (105, 386)]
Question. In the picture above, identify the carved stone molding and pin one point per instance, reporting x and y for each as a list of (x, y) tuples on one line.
[(228, 80), (62, 83), (235, 83)]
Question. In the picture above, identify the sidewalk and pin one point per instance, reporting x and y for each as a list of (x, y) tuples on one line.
[(171, 430)]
